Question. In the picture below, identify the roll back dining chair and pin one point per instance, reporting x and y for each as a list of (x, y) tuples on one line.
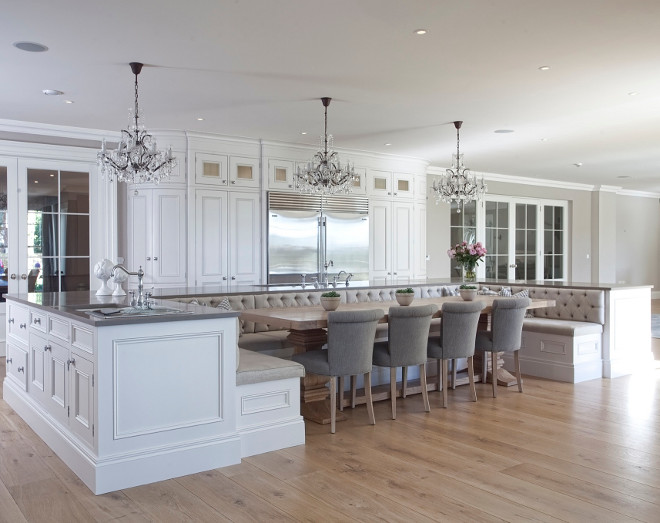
[(350, 350), (458, 331), (408, 332), (504, 335)]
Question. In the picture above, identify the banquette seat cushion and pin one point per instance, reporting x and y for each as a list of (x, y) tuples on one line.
[(257, 367)]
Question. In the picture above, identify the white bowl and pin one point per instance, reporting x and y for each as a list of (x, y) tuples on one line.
[(468, 294)]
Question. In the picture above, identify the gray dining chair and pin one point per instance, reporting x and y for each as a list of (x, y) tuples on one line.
[(350, 349), (504, 335), (408, 332), (457, 340)]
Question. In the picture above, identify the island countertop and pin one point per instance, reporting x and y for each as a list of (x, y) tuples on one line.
[(78, 305)]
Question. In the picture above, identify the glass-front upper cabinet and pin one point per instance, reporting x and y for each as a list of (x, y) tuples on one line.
[(463, 228), (57, 236), (4, 233)]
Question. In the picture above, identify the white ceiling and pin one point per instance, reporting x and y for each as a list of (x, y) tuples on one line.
[(258, 69)]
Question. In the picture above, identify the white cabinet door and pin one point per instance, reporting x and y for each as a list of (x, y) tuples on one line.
[(57, 381), (38, 355), (81, 398), (379, 183), (211, 242), (280, 175), (380, 241), (403, 185), (244, 172), (211, 169), (402, 241), (419, 239), (157, 235), (17, 362), (245, 238), (169, 236)]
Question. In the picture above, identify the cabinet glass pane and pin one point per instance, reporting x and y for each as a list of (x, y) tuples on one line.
[(531, 216), (357, 181), (4, 233), (559, 243), (48, 280), (531, 243), (531, 268), (520, 242), (211, 169), (74, 235), (502, 242), (403, 185), (74, 192), (280, 174), (491, 214), (520, 216), (559, 218), (547, 217), (547, 242), (380, 184), (244, 172), (502, 267), (503, 214), (42, 190)]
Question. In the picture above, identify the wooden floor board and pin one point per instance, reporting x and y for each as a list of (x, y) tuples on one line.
[(557, 452)]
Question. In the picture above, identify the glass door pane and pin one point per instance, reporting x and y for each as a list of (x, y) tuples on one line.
[(553, 242), (463, 228), (497, 239), (525, 241), (4, 234)]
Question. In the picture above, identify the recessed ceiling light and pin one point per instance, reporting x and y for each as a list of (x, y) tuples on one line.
[(68, 101), (544, 68), (623, 176), (544, 139), (503, 131), (578, 164), (52, 175), (30, 47), (633, 93), (303, 132), (387, 144), (200, 119), (52, 92), (420, 31)]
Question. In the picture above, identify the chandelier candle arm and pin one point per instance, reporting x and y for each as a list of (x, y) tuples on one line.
[(458, 184), (324, 174), (137, 158)]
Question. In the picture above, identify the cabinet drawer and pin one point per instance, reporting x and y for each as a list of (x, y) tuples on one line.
[(17, 359), (38, 320), (17, 321), (82, 338), (58, 328)]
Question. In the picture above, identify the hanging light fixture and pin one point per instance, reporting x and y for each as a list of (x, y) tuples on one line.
[(137, 158), (324, 174), (458, 184)]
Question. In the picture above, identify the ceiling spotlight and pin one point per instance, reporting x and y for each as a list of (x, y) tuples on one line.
[(387, 144), (52, 92), (503, 131), (303, 132), (544, 139), (578, 164), (623, 176), (200, 119), (68, 101), (420, 31), (633, 93), (544, 68), (30, 47)]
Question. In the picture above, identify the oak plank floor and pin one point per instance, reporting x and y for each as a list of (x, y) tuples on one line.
[(557, 452)]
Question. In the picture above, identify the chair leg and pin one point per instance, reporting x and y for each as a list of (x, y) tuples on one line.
[(453, 373), (333, 403), (404, 380), (470, 366), (493, 372), (484, 366), (438, 376), (393, 390), (340, 393), (445, 382), (367, 393), (425, 391), (354, 390), (516, 362)]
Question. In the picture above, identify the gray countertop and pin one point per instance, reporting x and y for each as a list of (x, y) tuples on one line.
[(80, 304)]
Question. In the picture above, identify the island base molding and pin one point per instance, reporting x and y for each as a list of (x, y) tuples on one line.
[(126, 470)]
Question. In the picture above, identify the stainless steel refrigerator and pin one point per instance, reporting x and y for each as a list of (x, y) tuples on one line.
[(307, 232)]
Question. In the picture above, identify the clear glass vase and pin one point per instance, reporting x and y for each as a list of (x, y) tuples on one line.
[(469, 273)]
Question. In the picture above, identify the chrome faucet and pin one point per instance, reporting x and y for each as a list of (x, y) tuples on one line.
[(324, 276), (348, 278), (336, 278), (302, 280), (142, 300)]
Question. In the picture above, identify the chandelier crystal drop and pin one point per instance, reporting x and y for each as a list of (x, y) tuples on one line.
[(458, 184), (137, 158), (325, 174)]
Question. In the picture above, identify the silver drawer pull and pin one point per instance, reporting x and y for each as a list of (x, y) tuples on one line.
[(70, 362), (20, 369), (11, 320), (9, 360), (23, 325), (47, 348), (37, 321)]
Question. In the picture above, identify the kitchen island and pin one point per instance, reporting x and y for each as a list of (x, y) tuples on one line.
[(124, 399)]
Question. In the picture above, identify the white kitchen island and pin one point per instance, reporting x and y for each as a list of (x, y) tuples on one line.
[(124, 400)]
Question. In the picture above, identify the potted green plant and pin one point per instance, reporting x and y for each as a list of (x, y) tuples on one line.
[(405, 296), (330, 300), (468, 292)]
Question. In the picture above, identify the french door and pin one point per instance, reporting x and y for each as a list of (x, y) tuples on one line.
[(526, 238)]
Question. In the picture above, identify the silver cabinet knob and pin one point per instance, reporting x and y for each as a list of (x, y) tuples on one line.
[(23, 276), (224, 278), (70, 362), (13, 276), (47, 348), (233, 277), (11, 320), (233, 182), (9, 360), (22, 326), (21, 369), (37, 321), (148, 258), (155, 258)]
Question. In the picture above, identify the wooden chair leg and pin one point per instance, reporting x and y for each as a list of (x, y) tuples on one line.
[(516, 361), (333, 403), (370, 403), (470, 366), (484, 366), (393, 390), (438, 376), (340, 393), (354, 390), (493, 372), (404, 381), (425, 391), (445, 382), (453, 373)]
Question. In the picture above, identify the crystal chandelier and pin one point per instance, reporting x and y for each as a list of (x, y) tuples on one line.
[(325, 174), (458, 184), (137, 158)]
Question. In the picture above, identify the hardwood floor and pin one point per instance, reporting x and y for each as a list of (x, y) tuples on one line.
[(557, 452)]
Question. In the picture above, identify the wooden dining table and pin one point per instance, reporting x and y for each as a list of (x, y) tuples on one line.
[(307, 331)]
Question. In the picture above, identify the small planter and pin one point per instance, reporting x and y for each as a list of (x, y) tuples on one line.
[(404, 298), (330, 304), (468, 294)]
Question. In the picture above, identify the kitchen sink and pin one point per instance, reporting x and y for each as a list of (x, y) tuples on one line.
[(121, 311)]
